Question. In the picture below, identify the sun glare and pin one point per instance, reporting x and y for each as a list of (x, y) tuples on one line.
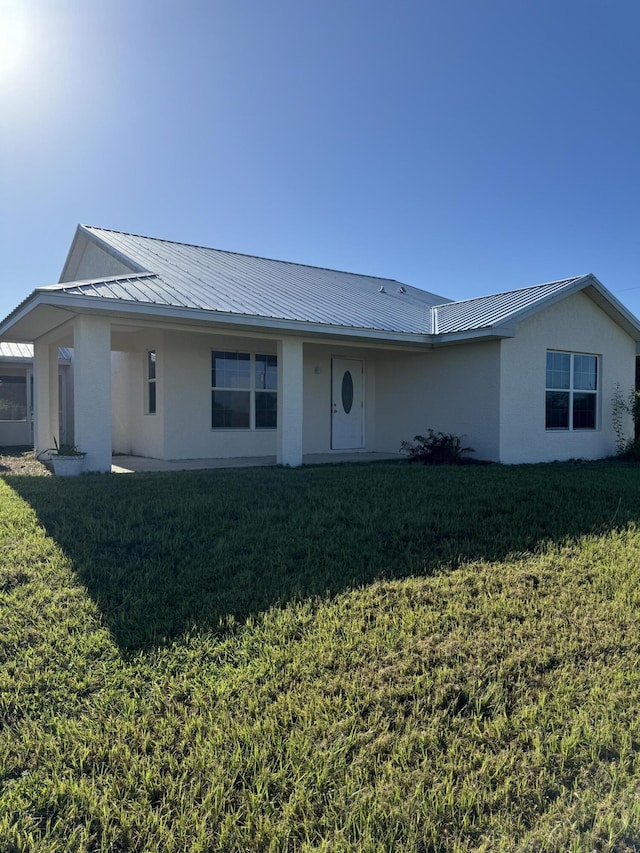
[(13, 36)]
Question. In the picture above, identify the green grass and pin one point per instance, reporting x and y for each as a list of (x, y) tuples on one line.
[(375, 658)]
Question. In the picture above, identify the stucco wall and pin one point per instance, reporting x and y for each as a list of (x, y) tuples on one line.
[(95, 262), (575, 324), (134, 430), (181, 427), (186, 386), (453, 389)]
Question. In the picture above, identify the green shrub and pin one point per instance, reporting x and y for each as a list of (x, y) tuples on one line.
[(621, 405), (436, 448)]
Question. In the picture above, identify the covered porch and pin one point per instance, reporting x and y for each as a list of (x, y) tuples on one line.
[(148, 394)]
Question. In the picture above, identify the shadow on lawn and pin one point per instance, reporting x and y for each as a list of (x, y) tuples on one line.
[(165, 553)]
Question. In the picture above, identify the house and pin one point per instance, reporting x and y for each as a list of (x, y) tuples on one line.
[(16, 395), (181, 351)]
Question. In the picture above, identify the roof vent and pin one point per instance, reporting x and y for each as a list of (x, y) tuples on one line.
[(402, 289), (381, 289)]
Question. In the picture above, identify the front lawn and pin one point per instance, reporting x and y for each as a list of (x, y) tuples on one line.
[(376, 657)]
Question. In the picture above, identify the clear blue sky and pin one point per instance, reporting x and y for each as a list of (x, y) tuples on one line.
[(464, 147)]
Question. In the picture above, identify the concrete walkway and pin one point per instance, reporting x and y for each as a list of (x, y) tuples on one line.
[(139, 464)]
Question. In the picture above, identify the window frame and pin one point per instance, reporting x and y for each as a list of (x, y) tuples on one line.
[(252, 388), (17, 378), (572, 391), (151, 384)]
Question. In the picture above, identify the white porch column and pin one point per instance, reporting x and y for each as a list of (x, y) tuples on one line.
[(92, 390), (290, 402), (46, 404)]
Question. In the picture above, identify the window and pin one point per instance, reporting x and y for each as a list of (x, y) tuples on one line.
[(571, 391), (13, 398), (266, 384), (151, 382), (244, 390)]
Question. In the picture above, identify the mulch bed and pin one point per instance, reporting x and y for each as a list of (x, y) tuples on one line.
[(19, 461)]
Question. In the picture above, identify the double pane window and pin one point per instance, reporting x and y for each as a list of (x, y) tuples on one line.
[(571, 391), (244, 390)]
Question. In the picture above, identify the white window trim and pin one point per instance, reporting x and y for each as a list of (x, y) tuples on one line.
[(571, 391), (252, 390)]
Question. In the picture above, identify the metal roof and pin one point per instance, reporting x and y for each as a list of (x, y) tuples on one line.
[(187, 276), (489, 311), (8, 350), (165, 274), (24, 352)]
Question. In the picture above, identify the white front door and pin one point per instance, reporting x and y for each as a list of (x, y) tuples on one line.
[(347, 410)]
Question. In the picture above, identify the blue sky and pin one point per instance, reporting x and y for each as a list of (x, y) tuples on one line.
[(464, 147)]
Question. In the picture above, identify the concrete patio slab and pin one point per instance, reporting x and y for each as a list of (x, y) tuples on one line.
[(142, 464)]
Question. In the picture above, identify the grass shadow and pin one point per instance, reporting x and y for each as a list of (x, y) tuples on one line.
[(162, 554)]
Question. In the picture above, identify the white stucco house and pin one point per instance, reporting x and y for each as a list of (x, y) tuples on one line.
[(185, 352)]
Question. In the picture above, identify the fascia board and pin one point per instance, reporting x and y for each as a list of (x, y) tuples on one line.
[(488, 333), (545, 302), (19, 313), (80, 232), (616, 310)]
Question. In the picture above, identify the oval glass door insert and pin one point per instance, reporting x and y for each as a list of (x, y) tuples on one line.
[(347, 392)]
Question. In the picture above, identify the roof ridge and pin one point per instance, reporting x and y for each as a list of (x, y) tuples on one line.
[(255, 257), (507, 292)]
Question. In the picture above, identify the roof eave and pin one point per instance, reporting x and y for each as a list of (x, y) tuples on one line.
[(99, 305), (614, 308), (607, 302), (487, 333)]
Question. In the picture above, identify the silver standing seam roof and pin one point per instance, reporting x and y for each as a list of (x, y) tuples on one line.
[(186, 276), (171, 275), (24, 352)]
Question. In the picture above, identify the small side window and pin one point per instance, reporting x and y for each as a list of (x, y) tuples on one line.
[(151, 382)]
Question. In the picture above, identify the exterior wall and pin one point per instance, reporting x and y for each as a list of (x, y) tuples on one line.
[(184, 399), (95, 262), (452, 389), (490, 392), (573, 325), (135, 431)]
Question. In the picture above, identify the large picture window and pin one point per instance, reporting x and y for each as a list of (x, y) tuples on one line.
[(244, 390), (13, 398), (571, 391)]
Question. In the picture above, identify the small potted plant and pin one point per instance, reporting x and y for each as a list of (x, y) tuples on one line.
[(67, 460)]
